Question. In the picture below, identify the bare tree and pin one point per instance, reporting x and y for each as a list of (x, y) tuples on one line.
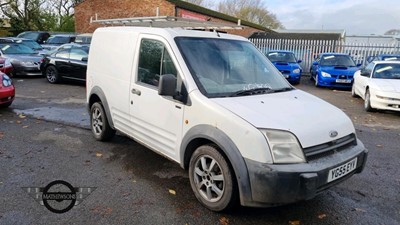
[(251, 10), (23, 14)]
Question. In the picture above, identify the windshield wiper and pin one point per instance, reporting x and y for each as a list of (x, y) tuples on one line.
[(253, 91), (282, 89)]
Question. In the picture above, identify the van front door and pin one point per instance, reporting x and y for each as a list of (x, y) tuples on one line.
[(156, 120)]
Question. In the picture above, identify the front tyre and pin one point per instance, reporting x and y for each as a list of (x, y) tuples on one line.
[(212, 179), (353, 91), (101, 129), (316, 80), (52, 75), (367, 102)]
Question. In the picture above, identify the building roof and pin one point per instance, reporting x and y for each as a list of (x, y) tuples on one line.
[(297, 35), (209, 12)]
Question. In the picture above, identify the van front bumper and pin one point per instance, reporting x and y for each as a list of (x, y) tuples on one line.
[(279, 184)]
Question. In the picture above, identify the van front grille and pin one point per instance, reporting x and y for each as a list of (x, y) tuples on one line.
[(329, 148)]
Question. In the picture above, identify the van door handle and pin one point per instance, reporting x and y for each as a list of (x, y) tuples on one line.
[(136, 92)]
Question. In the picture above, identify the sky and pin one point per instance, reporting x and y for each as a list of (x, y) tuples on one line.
[(356, 17)]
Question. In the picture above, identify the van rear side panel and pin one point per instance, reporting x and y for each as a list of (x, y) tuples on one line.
[(110, 66)]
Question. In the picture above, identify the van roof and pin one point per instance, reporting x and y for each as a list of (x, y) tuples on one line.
[(172, 32)]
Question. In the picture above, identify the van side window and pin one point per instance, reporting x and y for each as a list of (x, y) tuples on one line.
[(154, 60)]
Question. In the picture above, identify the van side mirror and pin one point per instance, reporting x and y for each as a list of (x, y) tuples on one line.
[(167, 85), (84, 59), (359, 64), (299, 61), (315, 63)]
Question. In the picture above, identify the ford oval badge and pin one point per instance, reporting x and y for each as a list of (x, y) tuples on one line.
[(333, 133)]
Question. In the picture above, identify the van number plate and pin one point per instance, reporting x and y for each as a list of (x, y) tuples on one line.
[(342, 170)]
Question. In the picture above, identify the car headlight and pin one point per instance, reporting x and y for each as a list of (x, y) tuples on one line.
[(296, 70), (284, 147), (6, 81), (7, 63), (27, 63), (325, 74)]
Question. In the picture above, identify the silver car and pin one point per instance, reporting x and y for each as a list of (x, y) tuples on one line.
[(25, 60)]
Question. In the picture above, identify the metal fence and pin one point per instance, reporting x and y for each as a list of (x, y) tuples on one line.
[(306, 50)]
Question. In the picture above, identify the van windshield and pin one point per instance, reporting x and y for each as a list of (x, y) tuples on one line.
[(224, 67)]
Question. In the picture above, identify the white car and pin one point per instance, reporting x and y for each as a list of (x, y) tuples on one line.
[(379, 85)]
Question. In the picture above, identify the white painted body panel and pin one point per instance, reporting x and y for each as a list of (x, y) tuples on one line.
[(156, 122), (309, 118)]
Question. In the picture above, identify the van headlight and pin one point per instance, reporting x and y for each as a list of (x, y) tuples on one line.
[(284, 146), (325, 74)]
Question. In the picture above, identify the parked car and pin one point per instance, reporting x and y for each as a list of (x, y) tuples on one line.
[(58, 39), (379, 85), (66, 63), (38, 36), (24, 60), (28, 42), (287, 64), (333, 70), (214, 104), (5, 66), (84, 38), (384, 57), (7, 90)]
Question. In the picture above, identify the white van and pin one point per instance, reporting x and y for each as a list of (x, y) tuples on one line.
[(214, 104)]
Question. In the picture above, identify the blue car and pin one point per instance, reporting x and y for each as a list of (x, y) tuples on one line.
[(333, 70), (287, 64)]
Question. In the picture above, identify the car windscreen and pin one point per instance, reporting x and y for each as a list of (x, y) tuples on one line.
[(387, 71), (16, 49), (337, 60), (286, 57), (32, 44), (222, 67), (57, 40), (29, 35), (391, 58)]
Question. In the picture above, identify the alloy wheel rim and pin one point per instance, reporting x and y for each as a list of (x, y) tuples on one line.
[(366, 103), (97, 121), (51, 75), (209, 178)]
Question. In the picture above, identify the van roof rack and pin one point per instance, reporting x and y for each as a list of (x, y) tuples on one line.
[(167, 22)]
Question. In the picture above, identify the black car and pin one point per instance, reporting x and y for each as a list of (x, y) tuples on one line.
[(24, 59), (38, 36), (58, 39), (66, 63)]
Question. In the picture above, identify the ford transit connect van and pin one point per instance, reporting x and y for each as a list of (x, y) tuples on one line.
[(217, 106)]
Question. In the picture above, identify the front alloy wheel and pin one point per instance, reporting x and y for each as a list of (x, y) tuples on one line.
[(101, 129), (211, 179), (367, 102), (52, 75)]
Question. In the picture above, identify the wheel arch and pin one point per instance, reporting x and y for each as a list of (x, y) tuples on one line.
[(97, 95), (207, 134)]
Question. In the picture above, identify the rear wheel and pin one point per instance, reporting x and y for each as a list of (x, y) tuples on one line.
[(367, 102), (101, 129), (212, 179), (52, 75)]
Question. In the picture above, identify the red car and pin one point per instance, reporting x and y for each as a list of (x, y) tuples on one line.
[(5, 66), (7, 90)]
